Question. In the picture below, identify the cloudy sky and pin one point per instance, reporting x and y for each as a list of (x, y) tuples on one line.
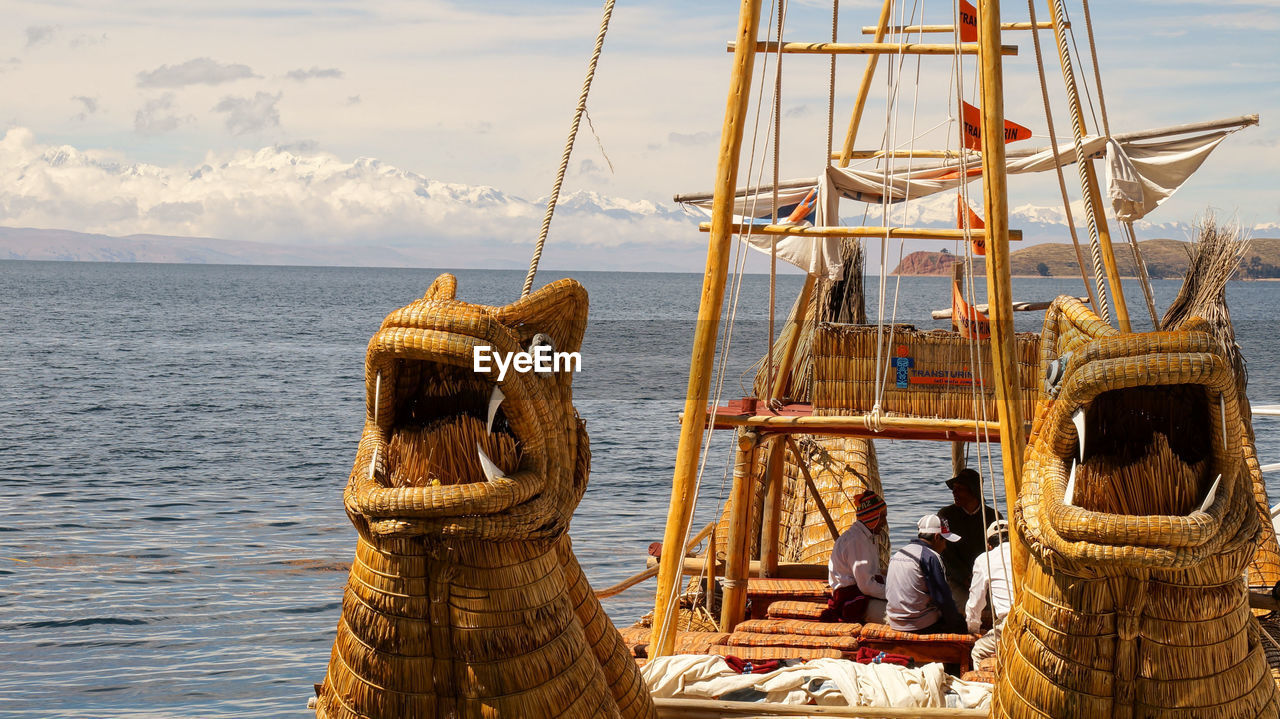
[(340, 121)]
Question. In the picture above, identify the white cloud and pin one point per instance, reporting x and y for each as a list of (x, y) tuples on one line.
[(314, 73), (250, 114), (200, 71), (302, 197), (157, 116)]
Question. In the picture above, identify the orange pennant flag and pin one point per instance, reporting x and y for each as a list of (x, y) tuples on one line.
[(968, 22), (971, 125), (967, 320), (978, 244)]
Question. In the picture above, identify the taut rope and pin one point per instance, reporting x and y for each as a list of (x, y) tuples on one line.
[(1062, 182), (568, 149), (1077, 126)]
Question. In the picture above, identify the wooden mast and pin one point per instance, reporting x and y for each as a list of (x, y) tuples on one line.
[(1004, 356), (684, 483)]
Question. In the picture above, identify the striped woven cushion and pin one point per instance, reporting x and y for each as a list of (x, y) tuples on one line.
[(787, 588), (799, 626), (757, 653), (698, 642), (635, 636), (884, 633), (990, 664), (800, 641), (790, 609), (637, 640)]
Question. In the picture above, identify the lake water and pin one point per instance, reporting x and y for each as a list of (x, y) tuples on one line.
[(174, 441)]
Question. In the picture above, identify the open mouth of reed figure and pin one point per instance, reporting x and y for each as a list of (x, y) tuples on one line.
[(1144, 450), (450, 427)]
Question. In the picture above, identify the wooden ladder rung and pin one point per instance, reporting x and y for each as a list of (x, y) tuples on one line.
[(908, 29), (894, 233), (873, 48)]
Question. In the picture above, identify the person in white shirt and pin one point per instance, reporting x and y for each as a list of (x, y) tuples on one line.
[(991, 578), (854, 568)]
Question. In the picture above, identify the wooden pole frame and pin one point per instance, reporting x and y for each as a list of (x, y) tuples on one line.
[(869, 74), (684, 483), (769, 535), (733, 601), (995, 198)]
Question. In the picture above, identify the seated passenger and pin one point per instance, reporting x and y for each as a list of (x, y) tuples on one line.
[(854, 568), (991, 573), (919, 599)]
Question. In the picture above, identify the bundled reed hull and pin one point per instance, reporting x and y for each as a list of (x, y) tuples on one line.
[(1133, 602), (465, 599), (924, 373)]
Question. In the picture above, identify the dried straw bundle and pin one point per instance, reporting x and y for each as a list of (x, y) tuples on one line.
[(465, 598), (444, 453), (1124, 611), (942, 378), (1214, 257)]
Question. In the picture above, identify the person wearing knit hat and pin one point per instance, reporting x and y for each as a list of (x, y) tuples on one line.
[(968, 517), (854, 568)]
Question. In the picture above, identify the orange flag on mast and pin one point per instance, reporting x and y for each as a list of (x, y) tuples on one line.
[(971, 128), (978, 244), (968, 22), (966, 319)]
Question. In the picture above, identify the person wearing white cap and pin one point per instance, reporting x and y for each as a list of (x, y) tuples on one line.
[(916, 589), (991, 578)]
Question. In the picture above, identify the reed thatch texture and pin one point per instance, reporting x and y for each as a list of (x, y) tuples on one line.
[(465, 599), (1135, 613), (940, 381), (1214, 256), (841, 467)]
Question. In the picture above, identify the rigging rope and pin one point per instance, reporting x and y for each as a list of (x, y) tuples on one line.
[(1144, 279), (1077, 133), (727, 328), (568, 149), (1057, 162)]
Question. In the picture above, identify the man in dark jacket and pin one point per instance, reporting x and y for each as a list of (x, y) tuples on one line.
[(969, 518)]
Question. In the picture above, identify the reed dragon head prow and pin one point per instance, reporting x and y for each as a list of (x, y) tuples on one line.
[(1137, 513), (465, 598)]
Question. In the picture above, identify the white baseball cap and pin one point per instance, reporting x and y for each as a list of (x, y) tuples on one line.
[(933, 524)]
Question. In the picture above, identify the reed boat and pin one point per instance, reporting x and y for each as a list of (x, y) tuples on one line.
[(1143, 551)]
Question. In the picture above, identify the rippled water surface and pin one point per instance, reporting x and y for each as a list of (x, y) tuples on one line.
[(174, 440)]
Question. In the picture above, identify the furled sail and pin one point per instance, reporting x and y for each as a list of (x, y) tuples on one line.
[(1143, 170)]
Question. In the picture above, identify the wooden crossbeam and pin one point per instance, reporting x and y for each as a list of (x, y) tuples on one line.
[(873, 48), (697, 566), (1017, 307), (908, 29), (718, 709), (894, 233), (941, 430)]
